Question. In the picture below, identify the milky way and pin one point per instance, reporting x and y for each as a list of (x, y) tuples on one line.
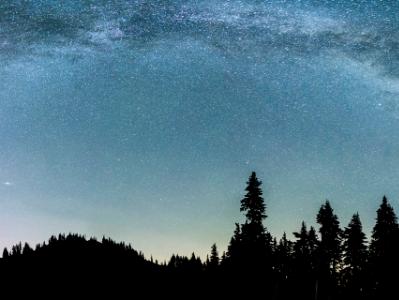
[(141, 120)]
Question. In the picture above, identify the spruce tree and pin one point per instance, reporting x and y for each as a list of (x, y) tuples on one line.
[(354, 245), (331, 235), (355, 255), (253, 203), (301, 244), (304, 263), (255, 240), (330, 250), (282, 257), (214, 260), (5, 253), (313, 242), (384, 249), (249, 251), (233, 254), (384, 231)]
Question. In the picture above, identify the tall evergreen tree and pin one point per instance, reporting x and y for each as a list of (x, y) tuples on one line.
[(282, 263), (384, 249), (233, 254), (301, 244), (5, 253), (253, 204), (249, 250), (354, 245), (384, 231), (304, 263), (355, 255), (223, 257), (282, 257), (330, 251), (255, 240), (331, 236), (313, 241), (214, 260)]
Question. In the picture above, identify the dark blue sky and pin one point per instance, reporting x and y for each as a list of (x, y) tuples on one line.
[(143, 121)]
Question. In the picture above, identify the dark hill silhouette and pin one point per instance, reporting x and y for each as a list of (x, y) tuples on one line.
[(334, 264)]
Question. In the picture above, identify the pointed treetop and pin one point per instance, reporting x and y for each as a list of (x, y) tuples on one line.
[(384, 200), (253, 203)]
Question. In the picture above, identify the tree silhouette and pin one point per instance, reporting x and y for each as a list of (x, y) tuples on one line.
[(282, 263), (329, 250), (249, 251), (233, 255), (256, 249), (355, 256), (305, 262), (5, 253), (384, 247), (334, 265), (214, 260), (253, 204)]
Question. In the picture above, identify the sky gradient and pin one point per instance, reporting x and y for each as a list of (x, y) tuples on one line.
[(142, 121)]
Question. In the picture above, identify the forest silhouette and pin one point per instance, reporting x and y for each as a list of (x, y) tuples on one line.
[(330, 262)]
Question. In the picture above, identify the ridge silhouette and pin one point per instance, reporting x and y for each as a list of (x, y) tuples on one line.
[(332, 264)]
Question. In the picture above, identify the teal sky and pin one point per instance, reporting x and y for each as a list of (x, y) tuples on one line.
[(143, 121)]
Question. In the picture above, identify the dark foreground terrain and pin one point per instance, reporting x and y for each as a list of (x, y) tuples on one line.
[(325, 264)]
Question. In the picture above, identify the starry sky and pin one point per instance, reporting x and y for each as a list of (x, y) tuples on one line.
[(141, 120)]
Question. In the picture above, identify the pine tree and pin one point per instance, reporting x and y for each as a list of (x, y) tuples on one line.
[(207, 261), (384, 231), (305, 248), (17, 249), (355, 255), (255, 240), (330, 250), (214, 260), (330, 232), (27, 249), (233, 254), (301, 244), (5, 253), (194, 264), (313, 241), (249, 251), (283, 257), (384, 247), (354, 245), (304, 262), (253, 203), (282, 264), (223, 258)]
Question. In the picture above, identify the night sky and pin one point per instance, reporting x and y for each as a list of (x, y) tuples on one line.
[(142, 120)]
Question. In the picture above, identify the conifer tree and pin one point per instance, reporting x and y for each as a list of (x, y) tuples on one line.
[(214, 259), (313, 241), (5, 253), (355, 255), (233, 254), (255, 240), (301, 244), (384, 231), (384, 247), (283, 257), (330, 250), (253, 204), (304, 262), (331, 235)]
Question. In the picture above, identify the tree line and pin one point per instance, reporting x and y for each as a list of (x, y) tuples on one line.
[(329, 262)]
